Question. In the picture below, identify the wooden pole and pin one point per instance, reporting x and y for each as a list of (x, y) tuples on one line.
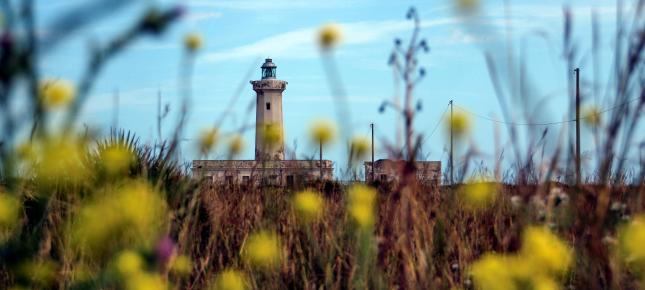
[(578, 171), (372, 128), (452, 180)]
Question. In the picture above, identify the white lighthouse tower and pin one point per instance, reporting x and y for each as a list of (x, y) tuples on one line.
[(268, 114)]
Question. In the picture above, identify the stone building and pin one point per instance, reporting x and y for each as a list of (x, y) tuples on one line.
[(386, 170), (269, 166)]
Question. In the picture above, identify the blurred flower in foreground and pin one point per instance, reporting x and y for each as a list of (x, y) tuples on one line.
[(207, 140), (235, 145), (9, 210), (116, 159), (322, 132), (193, 42), (128, 263), (361, 203), (308, 205), (271, 134), (542, 259), (60, 158), (230, 280), (181, 265), (56, 93), (262, 249), (545, 251), (41, 273), (359, 147), (478, 193), (132, 214), (632, 239), (491, 272), (329, 36), (459, 123), (591, 116), (467, 6), (146, 281)]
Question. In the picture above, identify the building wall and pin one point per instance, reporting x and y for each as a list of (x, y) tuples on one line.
[(279, 173), (428, 172)]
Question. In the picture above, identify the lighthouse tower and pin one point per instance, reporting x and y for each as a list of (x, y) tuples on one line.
[(269, 130)]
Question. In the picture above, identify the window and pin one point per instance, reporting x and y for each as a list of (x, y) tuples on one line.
[(268, 106), (289, 180), (383, 177), (229, 180), (245, 179)]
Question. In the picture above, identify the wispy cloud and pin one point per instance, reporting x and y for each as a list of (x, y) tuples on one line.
[(274, 4), (301, 43)]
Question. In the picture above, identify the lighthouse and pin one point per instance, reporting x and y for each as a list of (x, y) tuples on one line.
[(269, 130)]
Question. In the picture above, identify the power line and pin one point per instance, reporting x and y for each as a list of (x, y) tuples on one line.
[(438, 123), (545, 123)]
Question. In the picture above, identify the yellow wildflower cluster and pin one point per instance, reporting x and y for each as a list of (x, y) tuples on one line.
[(262, 250), (322, 132), (9, 210), (207, 140), (329, 36), (235, 145), (542, 259), (632, 239), (467, 6), (308, 204), (460, 124), (591, 116), (132, 213), (359, 147), (181, 265), (230, 280), (478, 193), (193, 42), (56, 93), (116, 159), (271, 134), (57, 159), (361, 203), (129, 265)]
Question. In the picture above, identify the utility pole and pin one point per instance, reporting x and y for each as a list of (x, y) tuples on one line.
[(578, 172), (452, 180), (372, 128), (321, 164)]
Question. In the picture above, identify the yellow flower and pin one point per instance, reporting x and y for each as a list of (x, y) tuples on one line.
[(271, 134), (322, 132), (262, 249), (9, 210), (181, 265), (128, 263), (132, 214), (235, 145), (207, 140), (362, 194), (361, 202), (193, 42), (329, 36), (146, 281), (360, 146), (632, 239), (478, 193), (459, 123), (491, 272), (544, 283), (117, 159), (591, 116), (467, 6), (61, 159), (230, 280), (362, 214), (308, 205), (545, 251), (56, 93)]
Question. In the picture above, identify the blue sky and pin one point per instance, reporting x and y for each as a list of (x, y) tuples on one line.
[(239, 34)]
